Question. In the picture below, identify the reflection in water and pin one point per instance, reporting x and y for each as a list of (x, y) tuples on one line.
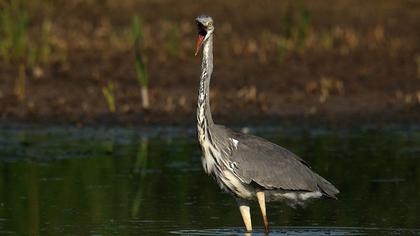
[(301, 231), (139, 170), (33, 199), (56, 181)]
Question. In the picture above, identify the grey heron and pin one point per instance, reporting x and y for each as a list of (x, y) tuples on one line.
[(246, 166)]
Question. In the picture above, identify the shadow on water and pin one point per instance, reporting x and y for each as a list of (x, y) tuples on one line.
[(120, 181)]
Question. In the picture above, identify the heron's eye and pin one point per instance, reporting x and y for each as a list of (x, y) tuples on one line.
[(210, 24)]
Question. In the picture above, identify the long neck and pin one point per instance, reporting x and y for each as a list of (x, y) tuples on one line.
[(204, 118)]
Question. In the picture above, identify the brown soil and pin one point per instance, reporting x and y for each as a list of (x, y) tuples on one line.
[(359, 62)]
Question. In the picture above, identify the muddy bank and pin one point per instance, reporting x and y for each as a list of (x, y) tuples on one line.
[(325, 62)]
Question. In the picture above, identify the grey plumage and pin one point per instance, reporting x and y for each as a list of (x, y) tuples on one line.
[(271, 166), (246, 166)]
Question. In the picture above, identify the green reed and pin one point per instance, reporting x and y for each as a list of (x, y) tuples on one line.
[(141, 68)]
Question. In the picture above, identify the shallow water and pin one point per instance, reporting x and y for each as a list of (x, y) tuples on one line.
[(149, 181)]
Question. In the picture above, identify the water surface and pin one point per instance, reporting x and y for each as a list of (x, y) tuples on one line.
[(149, 181)]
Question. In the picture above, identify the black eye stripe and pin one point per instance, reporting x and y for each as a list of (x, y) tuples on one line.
[(200, 25), (202, 30)]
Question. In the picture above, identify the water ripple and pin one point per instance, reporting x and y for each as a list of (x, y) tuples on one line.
[(302, 231)]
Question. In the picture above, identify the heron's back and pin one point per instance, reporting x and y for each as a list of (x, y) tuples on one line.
[(259, 163)]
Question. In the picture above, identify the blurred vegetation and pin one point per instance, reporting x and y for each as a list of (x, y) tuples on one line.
[(14, 20), (20, 83), (16, 44), (141, 68), (108, 91), (54, 54), (296, 27), (417, 59), (173, 42)]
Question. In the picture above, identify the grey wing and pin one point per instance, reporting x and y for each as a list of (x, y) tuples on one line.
[(273, 167)]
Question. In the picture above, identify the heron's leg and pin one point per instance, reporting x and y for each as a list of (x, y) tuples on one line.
[(261, 202), (245, 212)]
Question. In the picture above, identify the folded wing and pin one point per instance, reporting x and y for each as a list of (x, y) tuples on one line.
[(273, 167)]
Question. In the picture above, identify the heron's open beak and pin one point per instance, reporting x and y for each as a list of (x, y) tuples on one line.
[(202, 31), (199, 43)]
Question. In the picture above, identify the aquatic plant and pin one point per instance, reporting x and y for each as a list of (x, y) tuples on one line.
[(108, 91), (141, 68)]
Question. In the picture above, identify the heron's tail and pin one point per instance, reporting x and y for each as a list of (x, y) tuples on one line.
[(327, 188)]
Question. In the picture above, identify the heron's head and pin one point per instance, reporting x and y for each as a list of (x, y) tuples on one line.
[(205, 29)]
